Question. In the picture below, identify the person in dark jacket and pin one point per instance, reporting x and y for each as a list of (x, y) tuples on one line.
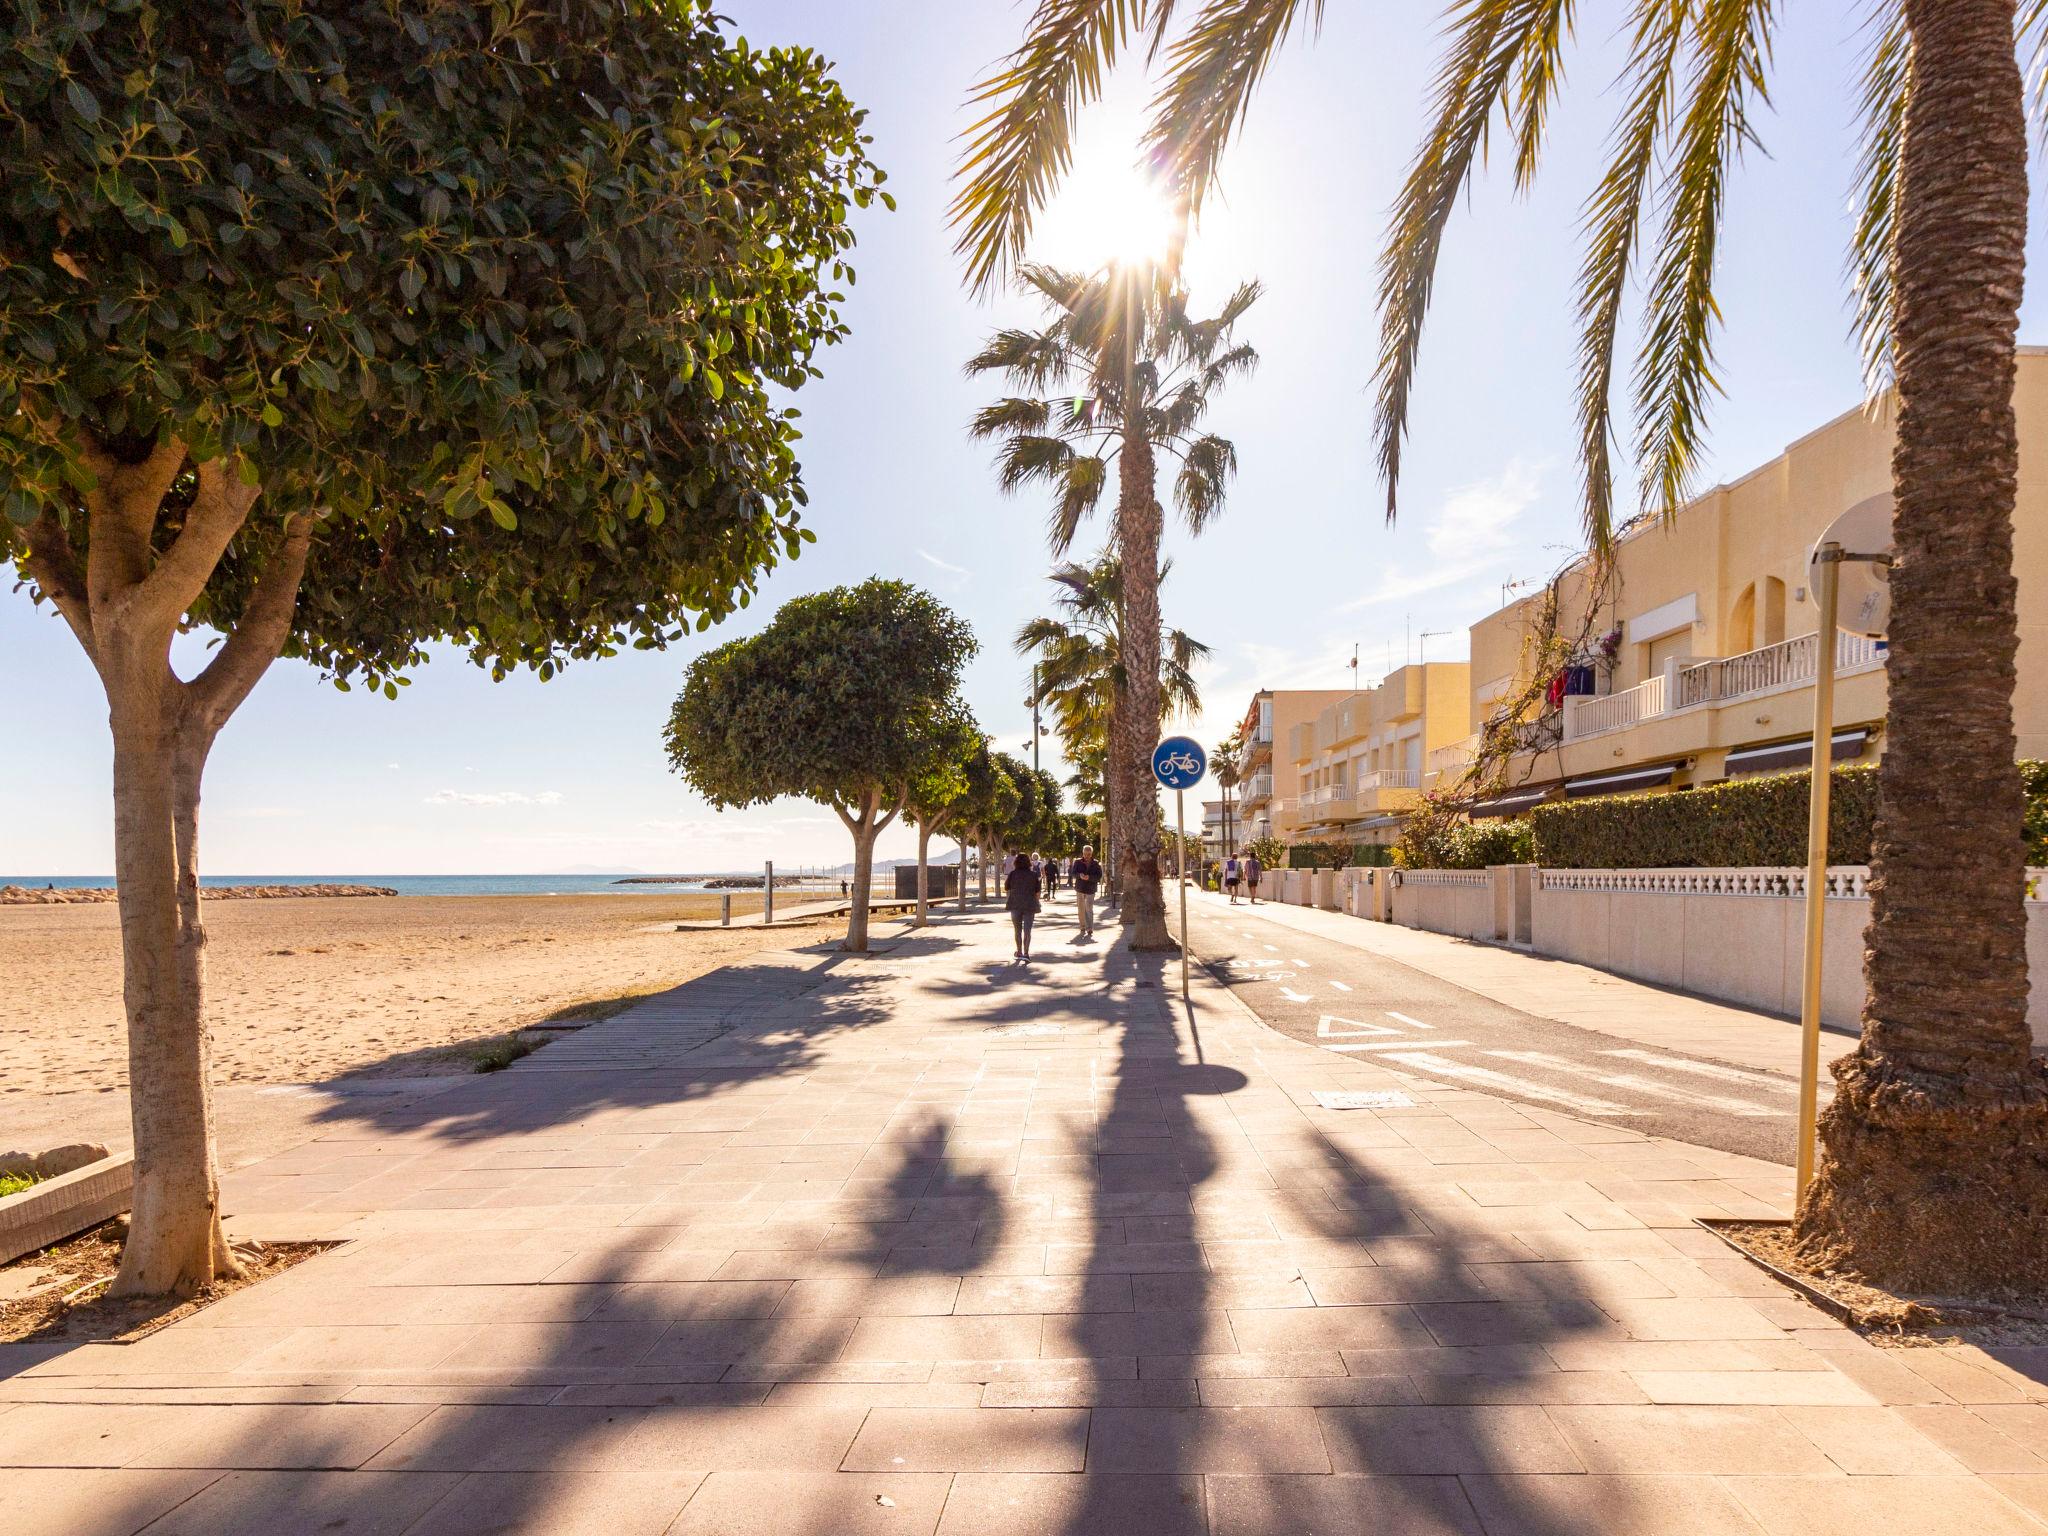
[(1020, 895), (1085, 875)]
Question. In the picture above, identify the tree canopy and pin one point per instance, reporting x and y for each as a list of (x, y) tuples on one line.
[(846, 693), (497, 293)]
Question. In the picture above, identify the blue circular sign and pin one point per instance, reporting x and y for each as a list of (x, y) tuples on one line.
[(1179, 762)]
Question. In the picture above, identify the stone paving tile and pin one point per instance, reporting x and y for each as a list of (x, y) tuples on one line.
[(1164, 1440), (82, 1435), (77, 1502), (1709, 1440), (1765, 1388), (264, 1503), (1047, 1504), (944, 1338), (558, 1504), (971, 1440), (1313, 1506), (1879, 1506), (780, 1503), (311, 1437), (1971, 1439), (1427, 1440), (1636, 1505)]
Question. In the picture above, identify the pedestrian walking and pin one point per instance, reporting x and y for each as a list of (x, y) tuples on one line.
[(1252, 870), (1085, 875), (1232, 872), (1052, 875), (1020, 895)]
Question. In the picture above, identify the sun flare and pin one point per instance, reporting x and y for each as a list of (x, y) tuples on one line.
[(1106, 211)]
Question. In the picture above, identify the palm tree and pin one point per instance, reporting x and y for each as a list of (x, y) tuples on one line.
[(1121, 375), (1081, 674), (1224, 766), (1934, 1173)]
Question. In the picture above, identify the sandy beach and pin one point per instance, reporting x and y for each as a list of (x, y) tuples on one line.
[(304, 990)]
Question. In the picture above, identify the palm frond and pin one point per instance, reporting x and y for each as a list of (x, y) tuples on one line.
[(1219, 370), (1030, 458), (1674, 371), (2031, 27), (1010, 415), (1887, 85), (1212, 70), (1537, 78), (1205, 473), (1032, 359), (1080, 493), (1492, 38), (1613, 220), (1020, 148)]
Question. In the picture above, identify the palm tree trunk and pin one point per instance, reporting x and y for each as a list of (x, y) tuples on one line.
[(1934, 1171), (1138, 520)]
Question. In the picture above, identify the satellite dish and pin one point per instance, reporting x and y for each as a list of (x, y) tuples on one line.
[(1864, 597)]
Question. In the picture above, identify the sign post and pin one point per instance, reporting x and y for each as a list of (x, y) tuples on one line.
[(1857, 544), (1179, 762)]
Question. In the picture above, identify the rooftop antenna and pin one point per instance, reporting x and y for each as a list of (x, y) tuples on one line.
[(1423, 642)]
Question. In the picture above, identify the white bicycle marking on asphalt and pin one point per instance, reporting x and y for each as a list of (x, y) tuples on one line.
[(1302, 964), (1411, 1023), (1643, 1085), (1443, 1066), (1705, 1069), (1293, 996), (1341, 986), (1399, 1043)]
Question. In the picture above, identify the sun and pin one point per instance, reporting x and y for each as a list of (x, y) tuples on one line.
[(1106, 211)]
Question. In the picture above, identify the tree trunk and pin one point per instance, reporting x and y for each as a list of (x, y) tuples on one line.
[(865, 831), (1138, 520), (924, 837), (175, 1245), (1934, 1167)]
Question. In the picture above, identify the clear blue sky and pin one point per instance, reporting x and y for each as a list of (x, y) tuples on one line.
[(463, 776)]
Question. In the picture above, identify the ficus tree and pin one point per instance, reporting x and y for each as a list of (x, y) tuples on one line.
[(848, 697), (942, 794), (996, 791), (339, 330)]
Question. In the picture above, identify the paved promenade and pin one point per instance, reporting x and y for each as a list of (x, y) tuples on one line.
[(926, 1241)]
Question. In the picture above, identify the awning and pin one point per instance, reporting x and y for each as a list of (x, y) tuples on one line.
[(1374, 823), (1511, 804), (1620, 783), (1847, 745)]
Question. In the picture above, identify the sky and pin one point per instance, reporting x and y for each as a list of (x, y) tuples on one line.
[(462, 775)]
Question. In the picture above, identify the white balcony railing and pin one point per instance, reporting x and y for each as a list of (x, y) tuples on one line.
[(1455, 758), (1390, 778), (1258, 787), (1769, 669), (1788, 664), (1585, 717)]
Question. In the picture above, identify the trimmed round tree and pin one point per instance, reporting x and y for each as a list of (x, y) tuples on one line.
[(343, 329), (945, 794), (848, 697)]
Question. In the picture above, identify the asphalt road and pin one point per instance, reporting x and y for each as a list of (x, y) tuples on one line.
[(1368, 1007)]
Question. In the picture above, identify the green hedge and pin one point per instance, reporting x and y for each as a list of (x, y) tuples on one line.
[(1444, 844), (1760, 821), (1336, 855)]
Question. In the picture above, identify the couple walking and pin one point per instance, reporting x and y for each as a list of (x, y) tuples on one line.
[(1248, 869), (1021, 891)]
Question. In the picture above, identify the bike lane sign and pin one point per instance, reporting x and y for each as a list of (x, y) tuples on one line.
[(1179, 762)]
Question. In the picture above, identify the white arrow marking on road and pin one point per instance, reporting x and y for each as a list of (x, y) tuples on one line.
[(1411, 1023), (1396, 1044), (1324, 1027), (1340, 986), (1293, 996), (1703, 1069), (1441, 1066), (1643, 1085)]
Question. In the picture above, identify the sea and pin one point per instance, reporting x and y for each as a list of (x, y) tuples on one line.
[(441, 885)]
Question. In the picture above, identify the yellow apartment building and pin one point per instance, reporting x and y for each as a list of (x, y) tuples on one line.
[(1696, 662), (1264, 798), (1362, 763)]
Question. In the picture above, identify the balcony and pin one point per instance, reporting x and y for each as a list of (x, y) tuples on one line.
[(1258, 787), (1769, 669), (1453, 759)]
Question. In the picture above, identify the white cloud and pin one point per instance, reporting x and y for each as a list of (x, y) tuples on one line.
[(1476, 518), (498, 797), (957, 574)]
